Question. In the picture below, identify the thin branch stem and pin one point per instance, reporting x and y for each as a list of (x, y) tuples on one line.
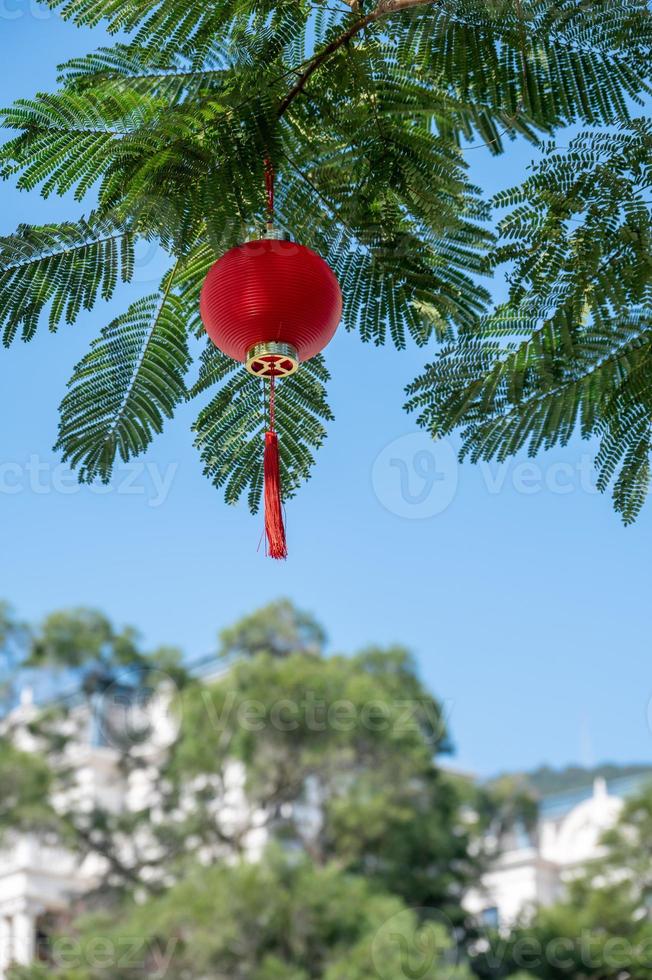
[(57, 253), (384, 9), (134, 377)]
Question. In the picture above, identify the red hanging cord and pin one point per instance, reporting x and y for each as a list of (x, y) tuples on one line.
[(274, 527), (272, 403), (269, 187)]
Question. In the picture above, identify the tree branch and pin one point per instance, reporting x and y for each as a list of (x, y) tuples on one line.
[(384, 9)]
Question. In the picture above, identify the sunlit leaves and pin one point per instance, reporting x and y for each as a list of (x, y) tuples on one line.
[(169, 130), (127, 385), (229, 431), (60, 268)]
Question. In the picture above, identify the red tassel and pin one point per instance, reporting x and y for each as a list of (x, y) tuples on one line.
[(274, 528)]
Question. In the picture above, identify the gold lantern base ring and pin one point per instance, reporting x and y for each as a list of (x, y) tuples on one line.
[(272, 359)]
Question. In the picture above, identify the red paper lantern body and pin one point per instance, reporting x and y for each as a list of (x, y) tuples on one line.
[(268, 295), (271, 304)]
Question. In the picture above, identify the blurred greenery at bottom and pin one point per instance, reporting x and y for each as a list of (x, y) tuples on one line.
[(298, 823)]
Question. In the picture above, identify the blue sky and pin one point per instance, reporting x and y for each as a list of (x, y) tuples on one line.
[(523, 598)]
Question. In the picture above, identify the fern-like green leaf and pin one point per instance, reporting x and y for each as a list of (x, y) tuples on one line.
[(62, 267), (572, 349), (364, 110), (122, 391), (230, 430)]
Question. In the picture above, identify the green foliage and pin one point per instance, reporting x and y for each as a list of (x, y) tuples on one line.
[(230, 429), (329, 762), (25, 780), (371, 844), (40, 971), (11, 629), (64, 268), (14, 640), (570, 350), (350, 740), (278, 629), (546, 781), (629, 844), (518, 67), (122, 391), (363, 110), (266, 921), (109, 682), (509, 803), (598, 936), (337, 755), (601, 930), (76, 637)]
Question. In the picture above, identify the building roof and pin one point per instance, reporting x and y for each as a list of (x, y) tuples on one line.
[(559, 804)]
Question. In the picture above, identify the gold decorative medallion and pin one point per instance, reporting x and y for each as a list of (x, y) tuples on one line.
[(272, 360)]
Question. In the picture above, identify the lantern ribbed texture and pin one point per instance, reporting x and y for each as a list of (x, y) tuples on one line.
[(270, 290)]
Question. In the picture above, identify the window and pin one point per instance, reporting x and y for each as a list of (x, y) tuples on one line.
[(490, 917)]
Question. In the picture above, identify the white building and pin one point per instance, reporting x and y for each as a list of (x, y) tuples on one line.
[(39, 880), (533, 868)]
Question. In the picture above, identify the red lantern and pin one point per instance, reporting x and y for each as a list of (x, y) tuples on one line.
[(271, 304)]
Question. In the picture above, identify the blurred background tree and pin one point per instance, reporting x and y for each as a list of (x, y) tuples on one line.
[(297, 823), (602, 930), (299, 805), (277, 629), (13, 643)]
